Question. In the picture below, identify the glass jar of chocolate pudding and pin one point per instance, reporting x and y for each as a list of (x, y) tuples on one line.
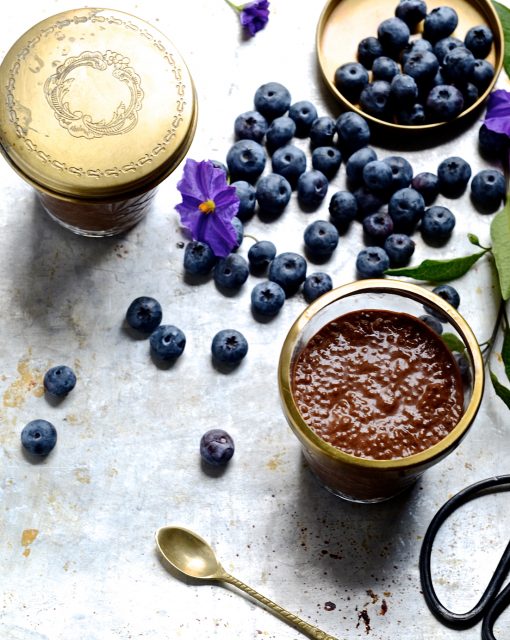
[(373, 394), (98, 108)]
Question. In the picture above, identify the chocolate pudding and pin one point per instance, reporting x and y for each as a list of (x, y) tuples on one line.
[(378, 384)]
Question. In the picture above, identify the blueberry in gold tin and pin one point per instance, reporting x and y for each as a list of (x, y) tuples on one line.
[(345, 25)]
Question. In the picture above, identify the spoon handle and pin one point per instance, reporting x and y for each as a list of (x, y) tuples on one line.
[(298, 623)]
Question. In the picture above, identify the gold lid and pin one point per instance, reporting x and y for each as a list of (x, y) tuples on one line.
[(95, 104)]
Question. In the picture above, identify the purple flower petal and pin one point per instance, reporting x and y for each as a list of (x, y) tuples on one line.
[(208, 206), (254, 16), (497, 117)]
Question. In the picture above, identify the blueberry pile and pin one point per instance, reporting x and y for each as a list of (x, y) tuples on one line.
[(413, 79)]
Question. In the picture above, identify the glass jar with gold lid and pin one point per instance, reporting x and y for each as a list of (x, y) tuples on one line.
[(97, 108)]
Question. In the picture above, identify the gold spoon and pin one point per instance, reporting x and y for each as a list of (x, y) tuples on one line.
[(190, 554)]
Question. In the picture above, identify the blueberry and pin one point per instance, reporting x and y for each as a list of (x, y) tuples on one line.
[(411, 11), (445, 45), (316, 284), (368, 50), (444, 102), (246, 160), (38, 437), (377, 227), (449, 294), (267, 298), (437, 225), (440, 23), (273, 193), (400, 248), (272, 100), (353, 131), (403, 90), (229, 346), (422, 66), (412, 116), (453, 174), (377, 176), (402, 171), (247, 201), (458, 65), (290, 162), (231, 272), (393, 34), (427, 184), (491, 144), (59, 380), (432, 323), (260, 255), (482, 74), (375, 99), (288, 270), (470, 94), (167, 342), (219, 165), (356, 163), (479, 41), (327, 160), (321, 238), (199, 259), (367, 201), (464, 367), (239, 229), (350, 79), (322, 132), (413, 47), (488, 190), (343, 209), (280, 132), (372, 262), (312, 188), (250, 125), (216, 447), (303, 113), (144, 314), (406, 207), (384, 68)]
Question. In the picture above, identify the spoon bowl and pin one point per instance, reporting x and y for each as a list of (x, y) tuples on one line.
[(191, 555)]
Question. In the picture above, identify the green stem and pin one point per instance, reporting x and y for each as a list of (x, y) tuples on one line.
[(489, 344), (235, 7)]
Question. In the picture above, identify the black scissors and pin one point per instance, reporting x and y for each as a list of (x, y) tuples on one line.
[(492, 603)]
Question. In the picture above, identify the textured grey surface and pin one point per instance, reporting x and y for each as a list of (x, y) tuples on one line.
[(77, 530)]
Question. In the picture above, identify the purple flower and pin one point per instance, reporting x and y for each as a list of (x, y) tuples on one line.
[(208, 206), (497, 118), (253, 15)]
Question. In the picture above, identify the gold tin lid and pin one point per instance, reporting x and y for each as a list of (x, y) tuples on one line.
[(95, 104)]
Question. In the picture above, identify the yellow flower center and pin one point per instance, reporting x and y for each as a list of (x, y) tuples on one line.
[(207, 207)]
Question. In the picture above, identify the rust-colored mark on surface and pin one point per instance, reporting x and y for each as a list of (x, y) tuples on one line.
[(27, 537), (274, 463), (82, 475), (384, 607), (373, 595), (363, 616), (28, 382)]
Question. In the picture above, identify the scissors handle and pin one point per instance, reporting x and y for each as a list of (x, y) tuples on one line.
[(490, 603)]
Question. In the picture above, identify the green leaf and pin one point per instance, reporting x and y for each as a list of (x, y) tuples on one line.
[(453, 342), (505, 352), (504, 16), (438, 270), (501, 391), (500, 236)]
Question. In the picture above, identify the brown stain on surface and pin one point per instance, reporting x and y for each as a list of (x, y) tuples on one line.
[(82, 475), (28, 381), (27, 537), (275, 462)]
